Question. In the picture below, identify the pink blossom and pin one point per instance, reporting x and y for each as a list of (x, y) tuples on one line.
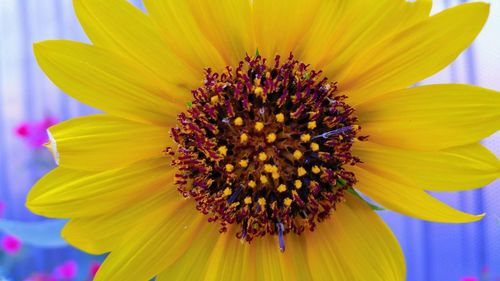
[(67, 270), (10, 244), (469, 278), (94, 267), (35, 133)]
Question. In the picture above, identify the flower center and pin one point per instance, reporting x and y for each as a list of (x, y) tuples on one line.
[(263, 146)]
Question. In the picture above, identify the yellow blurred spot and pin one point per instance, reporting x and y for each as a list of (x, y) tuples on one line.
[(222, 150), (314, 146), (243, 138), (244, 163), (287, 202), (301, 171), (259, 126), (248, 200), (262, 201), (252, 184), (263, 179), (258, 91), (305, 137), (238, 121), (280, 117), (271, 138), (275, 175), (274, 169), (214, 99), (298, 184), (282, 188), (262, 156), (297, 154), (316, 170), (229, 168), (227, 191), (268, 168), (311, 125)]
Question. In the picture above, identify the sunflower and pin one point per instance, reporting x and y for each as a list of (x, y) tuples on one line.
[(236, 135)]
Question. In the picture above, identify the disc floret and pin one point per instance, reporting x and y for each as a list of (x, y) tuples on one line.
[(264, 146)]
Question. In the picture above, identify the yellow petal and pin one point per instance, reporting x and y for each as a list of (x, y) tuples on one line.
[(119, 26), (432, 117), (180, 30), (401, 195), (230, 259), (458, 168), (354, 244), (106, 81), (281, 25), (193, 263), (151, 247), (65, 193), (101, 142), (103, 233), (341, 30), (227, 24), (414, 53)]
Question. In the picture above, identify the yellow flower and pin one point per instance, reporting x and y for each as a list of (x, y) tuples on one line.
[(116, 182)]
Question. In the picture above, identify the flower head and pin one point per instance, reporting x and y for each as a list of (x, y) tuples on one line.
[(290, 106), (10, 244)]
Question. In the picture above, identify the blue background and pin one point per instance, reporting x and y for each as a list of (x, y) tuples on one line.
[(439, 252)]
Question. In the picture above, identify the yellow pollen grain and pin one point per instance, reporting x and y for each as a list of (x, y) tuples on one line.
[(271, 138), (243, 138), (297, 184), (262, 156), (229, 168), (311, 125), (248, 200), (258, 91), (275, 175), (259, 126), (214, 99), (227, 191), (262, 201), (243, 163), (316, 170), (252, 184), (287, 202), (268, 168), (222, 150), (282, 188), (274, 169), (263, 179), (301, 171), (305, 137), (297, 154), (314, 146), (280, 117), (238, 121)]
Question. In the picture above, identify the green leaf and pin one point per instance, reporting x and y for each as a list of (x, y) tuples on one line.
[(257, 53), (374, 207), (189, 104)]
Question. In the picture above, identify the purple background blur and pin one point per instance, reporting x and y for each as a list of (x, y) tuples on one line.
[(434, 252)]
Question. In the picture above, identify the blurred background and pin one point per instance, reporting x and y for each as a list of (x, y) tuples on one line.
[(30, 246)]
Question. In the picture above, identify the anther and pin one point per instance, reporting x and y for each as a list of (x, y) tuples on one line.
[(263, 179), (301, 171), (262, 201), (262, 156), (248, 200), (252, 184), (311, 125), (314, 146), (222, 150), (297, 184), (259, 126), (238, 121), (297, 154), (229, 168), (271, 138), (282, 188), (228, 191), (280, 117), (214, 99), (243, 138), (243, 163), (316, 170), (287, 201), (275, 175), (305, 137)]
